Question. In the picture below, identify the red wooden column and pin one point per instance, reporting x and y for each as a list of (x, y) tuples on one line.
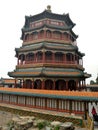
[(74, 59), (52, 35), (79, 88), (32, 83), (38, 33), (53, 57), (43, 56), (44, 33), (64, 58), (35, 57), (84, 83), (62, 36), (76, 84), (53, 84), (15, 83), (25, 59), (43, 84), (24, 85)]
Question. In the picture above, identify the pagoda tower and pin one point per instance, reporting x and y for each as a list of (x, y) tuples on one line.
[(49, 57)]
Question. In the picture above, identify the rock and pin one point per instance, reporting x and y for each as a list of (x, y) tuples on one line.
[(67, 126), (0, 127), (56, 123), (5, 128)]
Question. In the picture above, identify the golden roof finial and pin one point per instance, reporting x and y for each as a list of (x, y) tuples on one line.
[(49, 8)]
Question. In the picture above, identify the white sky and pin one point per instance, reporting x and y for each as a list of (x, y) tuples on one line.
[(82, 12)]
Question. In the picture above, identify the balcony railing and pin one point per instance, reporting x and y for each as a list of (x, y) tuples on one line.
[(72, 64), (48, 61)]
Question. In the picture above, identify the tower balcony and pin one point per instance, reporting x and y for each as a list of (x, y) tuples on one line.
[(48, 58), (50, 63)]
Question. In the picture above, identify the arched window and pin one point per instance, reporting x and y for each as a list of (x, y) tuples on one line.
[(48, 56), (69, 57), (49, 84), (26, 37), (30, 57), (71, 85), (56, 35), (28, 83), (39, 56), (59, 57), (60, 85), (35, 35), (21, 59), (41, 34), (37, 84), (66, 36), (48, 34)]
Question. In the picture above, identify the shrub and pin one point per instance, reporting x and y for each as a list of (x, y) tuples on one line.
[(41, 125), (56, 127)]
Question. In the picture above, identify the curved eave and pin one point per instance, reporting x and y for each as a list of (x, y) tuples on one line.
[(29, 48), (45, 26), (24, 74), (74, 35), (70, 22), (46, 46), (17, 50), (87, 75), (63, 74), (47, 14), (80, 53), (47, 73)]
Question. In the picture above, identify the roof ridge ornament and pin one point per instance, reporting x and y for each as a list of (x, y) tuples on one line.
[(48, 8)]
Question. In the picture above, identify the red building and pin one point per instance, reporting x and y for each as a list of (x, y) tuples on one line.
[(49, 67), (49, 57), (7, 82)]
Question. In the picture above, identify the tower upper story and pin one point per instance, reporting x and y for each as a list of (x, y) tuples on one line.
[(48, 26)]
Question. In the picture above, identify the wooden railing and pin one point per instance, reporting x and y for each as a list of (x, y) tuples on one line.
[(51, 61)]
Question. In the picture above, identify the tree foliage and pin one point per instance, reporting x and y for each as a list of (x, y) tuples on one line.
[(92, 82)]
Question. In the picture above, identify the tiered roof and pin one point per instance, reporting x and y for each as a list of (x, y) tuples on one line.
[(7, 81), (53, 72), (49, 46), (48, 15)]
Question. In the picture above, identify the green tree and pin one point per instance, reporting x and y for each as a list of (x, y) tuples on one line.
[(97, 80), (92, 82)]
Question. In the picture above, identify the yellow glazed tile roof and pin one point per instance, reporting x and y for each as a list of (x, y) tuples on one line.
[(52, 92)]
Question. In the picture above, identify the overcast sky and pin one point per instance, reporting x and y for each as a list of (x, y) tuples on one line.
[(82, 12)]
